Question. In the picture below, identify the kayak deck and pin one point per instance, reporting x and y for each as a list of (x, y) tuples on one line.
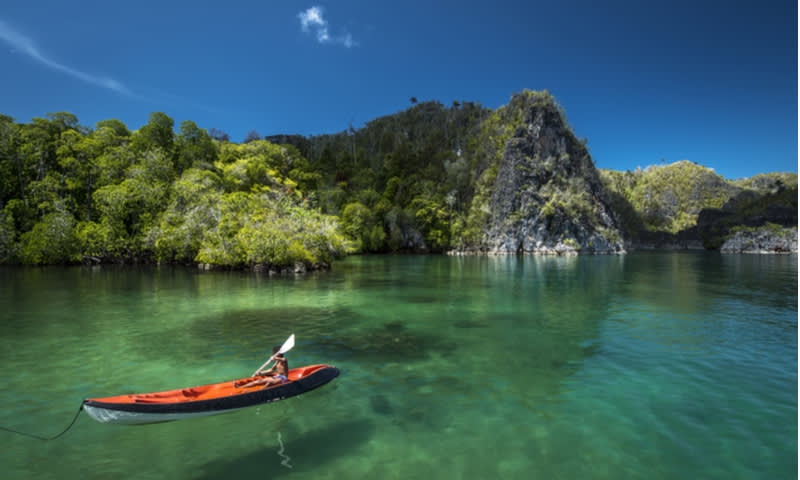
[(204, 392), (204, 400)]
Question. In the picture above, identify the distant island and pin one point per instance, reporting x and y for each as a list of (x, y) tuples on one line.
[(458, 179)]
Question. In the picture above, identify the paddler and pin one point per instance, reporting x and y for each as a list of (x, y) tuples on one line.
[(279, 372)]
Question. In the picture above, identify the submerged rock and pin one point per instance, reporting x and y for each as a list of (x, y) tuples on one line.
[(381, 405)]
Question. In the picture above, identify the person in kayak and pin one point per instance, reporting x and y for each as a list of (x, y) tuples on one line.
[(279, 373)]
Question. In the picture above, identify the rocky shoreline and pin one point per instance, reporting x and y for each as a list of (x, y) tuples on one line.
[(767, 239), (764, 240)]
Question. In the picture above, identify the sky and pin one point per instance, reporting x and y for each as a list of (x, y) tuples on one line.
[(713, 82)]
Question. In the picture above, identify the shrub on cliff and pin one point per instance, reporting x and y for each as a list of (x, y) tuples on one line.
[(670, 197)]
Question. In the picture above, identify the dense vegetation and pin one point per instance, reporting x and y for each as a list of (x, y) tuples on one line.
[(420, 179), (404, 180), (70, 193), (669, 198)]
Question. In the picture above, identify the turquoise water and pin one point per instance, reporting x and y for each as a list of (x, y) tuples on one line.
[(648, 365)]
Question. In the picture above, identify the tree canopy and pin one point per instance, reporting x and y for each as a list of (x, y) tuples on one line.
[(70, 193), (420, 179)]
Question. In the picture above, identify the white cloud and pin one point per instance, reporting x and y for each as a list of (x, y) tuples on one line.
[(25, 45), (312, 21), (312, 17)]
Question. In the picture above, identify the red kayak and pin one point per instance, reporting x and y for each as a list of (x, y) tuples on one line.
[(204, 400)]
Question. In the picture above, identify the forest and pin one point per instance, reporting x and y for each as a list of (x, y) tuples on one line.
[(74, 194), (415, 180), (70, 193)]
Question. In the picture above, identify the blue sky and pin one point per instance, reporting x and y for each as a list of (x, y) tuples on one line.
[(714, 82)]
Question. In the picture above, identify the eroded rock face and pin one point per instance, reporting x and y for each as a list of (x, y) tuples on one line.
[(762, 240), (547, 197)]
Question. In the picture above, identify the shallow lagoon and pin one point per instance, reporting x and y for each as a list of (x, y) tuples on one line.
[(648, 365)]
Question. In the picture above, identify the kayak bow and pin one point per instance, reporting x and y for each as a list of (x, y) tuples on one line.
[(214, 399)]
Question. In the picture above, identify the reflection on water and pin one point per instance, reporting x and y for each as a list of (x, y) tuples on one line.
[(650, 365), (311, 451)]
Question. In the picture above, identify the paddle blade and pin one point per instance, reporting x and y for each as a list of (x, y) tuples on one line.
[(288, 344)]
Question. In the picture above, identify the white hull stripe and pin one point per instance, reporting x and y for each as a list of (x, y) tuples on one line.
[(135, 418)]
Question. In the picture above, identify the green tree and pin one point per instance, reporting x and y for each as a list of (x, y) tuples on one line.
[(357, 224), (78, 156), (157, 133), (8, 237), (433, 221), (11, 171), (52, 240), (117, 127), (270, 230), (195, 148), (193, 210), (131, 208)]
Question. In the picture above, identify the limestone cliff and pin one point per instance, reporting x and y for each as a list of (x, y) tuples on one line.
[(547, 196), (748, 211), (766, 239)]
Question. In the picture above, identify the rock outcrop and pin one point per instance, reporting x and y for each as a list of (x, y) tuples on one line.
[(547, 196), (768, 239), (749, 210)]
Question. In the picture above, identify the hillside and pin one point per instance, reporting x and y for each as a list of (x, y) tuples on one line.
[(547, 196), (431, 178), (435, 178), (685, 204)]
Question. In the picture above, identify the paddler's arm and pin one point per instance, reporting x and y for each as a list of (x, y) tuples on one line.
[(267, 372)]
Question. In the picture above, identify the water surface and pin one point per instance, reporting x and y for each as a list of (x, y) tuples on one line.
[(648, 365)]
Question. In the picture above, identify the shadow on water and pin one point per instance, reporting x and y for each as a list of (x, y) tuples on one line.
[(235, 328), (306, 321), (390, 342), (305, 452), (381, 405)]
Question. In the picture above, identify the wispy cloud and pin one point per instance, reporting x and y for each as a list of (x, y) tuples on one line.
[(312, 21), (26, 46)]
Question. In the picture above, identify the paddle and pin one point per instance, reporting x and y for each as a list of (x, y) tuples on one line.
[(287, 345)]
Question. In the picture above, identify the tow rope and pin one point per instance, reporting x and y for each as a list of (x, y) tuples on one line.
[(74, 419)]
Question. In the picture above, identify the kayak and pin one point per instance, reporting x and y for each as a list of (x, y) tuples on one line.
[(214, 399)]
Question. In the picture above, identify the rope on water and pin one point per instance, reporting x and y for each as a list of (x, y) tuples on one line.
[(74, 419)]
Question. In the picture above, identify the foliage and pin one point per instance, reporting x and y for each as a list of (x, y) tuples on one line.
[(195, 148), (157, 133), (419, 179), (191, 212), (52, 240), (768, 182), (7, 237), (667, 198), (748, 203), (358, 223), (572, 243), (70, 193), (412, 170), (260, 228), (769, 227), (619, 187)]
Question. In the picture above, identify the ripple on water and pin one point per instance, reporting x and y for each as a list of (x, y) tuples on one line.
[(642, 366)]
